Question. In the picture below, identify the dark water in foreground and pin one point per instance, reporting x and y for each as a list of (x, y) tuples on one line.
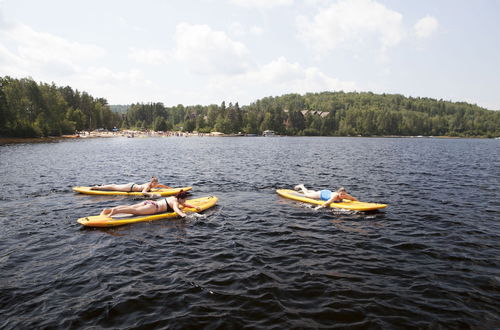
[(430, 260)]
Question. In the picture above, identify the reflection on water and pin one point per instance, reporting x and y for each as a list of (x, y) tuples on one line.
[(256, 260)]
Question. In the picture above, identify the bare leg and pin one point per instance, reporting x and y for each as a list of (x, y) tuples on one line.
[(113, 187), (108, 211), (299, 187), (140, 209), (303, 189), (103, 187), (313, 194), (105, 212), (308, 192)]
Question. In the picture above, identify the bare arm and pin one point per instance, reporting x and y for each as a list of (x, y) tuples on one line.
[(328, 202), (163, 186), (178, 210), (349, 197), (192, 206), (147, 188)]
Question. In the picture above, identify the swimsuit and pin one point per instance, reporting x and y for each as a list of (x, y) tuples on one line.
[(169, 208), (152, 203), (134, 184), (325, 195), (159, 205), (164, 202)]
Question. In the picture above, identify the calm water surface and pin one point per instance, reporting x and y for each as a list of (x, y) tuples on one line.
[(430, 260)]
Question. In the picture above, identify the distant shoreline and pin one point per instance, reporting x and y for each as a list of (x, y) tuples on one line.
[(16, 140)]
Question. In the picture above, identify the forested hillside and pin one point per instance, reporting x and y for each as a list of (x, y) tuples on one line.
[(327, 113), (30, 109)]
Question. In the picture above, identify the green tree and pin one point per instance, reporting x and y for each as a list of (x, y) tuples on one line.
[(159, 124)]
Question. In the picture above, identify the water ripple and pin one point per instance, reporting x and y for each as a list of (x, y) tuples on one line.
[(430, 260)]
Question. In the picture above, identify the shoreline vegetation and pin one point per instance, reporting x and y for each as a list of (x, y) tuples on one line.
[(38, 110)]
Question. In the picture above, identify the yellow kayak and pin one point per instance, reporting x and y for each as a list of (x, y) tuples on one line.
[(160, 191), (124, 219), (346, 204)]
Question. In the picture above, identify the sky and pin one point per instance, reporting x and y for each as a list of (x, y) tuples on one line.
[(208, 51)]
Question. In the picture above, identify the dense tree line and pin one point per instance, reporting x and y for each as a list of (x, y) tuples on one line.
[(327, 113), (30, 109), (119, 108), (186, 118)]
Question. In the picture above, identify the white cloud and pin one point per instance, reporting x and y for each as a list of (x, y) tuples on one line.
[(116, 87), (275, 78), (42, 46), (27, 52), (149, 56), (350, 23), (12, 64), (207, 51), (317, 3), (103, 75), (425, 27), (293, 76), (237, 29), (264, 4)]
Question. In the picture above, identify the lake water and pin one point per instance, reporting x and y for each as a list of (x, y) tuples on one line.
[(430, 260)]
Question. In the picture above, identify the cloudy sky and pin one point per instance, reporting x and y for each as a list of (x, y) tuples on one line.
[(209, 51)]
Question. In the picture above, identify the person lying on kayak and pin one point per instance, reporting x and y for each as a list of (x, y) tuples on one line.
[(326, 195), (131, 187), (169, 204)]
